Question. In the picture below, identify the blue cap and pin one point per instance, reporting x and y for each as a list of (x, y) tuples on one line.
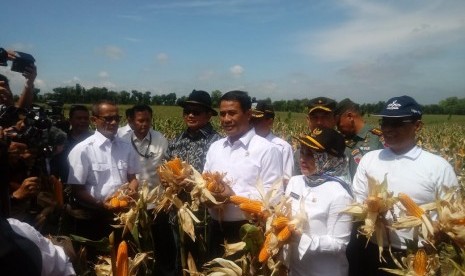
[(403, 106)]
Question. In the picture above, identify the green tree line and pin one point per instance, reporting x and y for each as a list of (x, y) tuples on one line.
[(78, 94)]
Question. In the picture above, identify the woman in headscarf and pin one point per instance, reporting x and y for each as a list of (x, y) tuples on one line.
[(320, 248)]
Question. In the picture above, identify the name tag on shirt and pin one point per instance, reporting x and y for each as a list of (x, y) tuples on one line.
[(295, 196)]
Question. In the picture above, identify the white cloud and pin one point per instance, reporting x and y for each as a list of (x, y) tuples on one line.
[(112, 52), (103, 74), (206, 75), (236, 70), (379, 27), (161, 57)]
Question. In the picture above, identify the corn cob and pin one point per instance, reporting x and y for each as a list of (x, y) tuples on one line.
[(58, 189), (420, 262), (242, 199), (265, 252), (412, 208), (373, 203), (175, 165), (252, 207), (280, 222), (122, 263), (114, 202), (284, 234)]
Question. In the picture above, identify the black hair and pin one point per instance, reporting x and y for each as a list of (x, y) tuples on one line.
[(130, 112), (77, 107), (239, 96), (4, 79)]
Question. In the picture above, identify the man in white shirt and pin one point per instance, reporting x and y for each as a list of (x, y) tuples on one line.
[(247, 159), (408, 168), (149, 145), (100, 164), (262, 120)]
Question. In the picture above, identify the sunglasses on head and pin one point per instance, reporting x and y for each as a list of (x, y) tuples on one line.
[(192, 111)]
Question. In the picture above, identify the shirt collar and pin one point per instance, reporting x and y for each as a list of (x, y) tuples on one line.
[(100, 139), (146, 138), (413, 153), (204, 131), (363, 132), (244, 140)]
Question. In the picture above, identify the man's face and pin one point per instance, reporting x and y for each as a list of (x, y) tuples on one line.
[(399, 133), (345, 124), (79, 121), (320, 118), (6, 97), (195, 116), (234, 121), (141, 123), (262, 125), (106, 122)]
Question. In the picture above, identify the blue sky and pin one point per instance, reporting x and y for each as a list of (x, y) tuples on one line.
[(365, 50)]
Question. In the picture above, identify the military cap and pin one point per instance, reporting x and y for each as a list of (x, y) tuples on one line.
[(321, 103)]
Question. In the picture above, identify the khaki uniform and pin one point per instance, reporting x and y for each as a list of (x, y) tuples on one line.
[(367, 140)]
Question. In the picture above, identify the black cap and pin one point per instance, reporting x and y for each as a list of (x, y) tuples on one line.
[(403, 106), (321, 103), (262, 109), (345, 105), (324, 140), (201, 98)]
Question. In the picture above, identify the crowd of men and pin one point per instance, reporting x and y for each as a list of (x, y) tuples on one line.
[(97, 163)]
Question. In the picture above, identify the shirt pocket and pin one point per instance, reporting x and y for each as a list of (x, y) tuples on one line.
[(100, 167), (122, 165)]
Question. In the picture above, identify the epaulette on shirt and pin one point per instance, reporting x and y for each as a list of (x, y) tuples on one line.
[(376, 131)]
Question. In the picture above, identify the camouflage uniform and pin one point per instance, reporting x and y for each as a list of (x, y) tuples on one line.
[(366, 140)]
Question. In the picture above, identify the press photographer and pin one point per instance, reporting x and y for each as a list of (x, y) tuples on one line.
[(24, 64), (33, 140)]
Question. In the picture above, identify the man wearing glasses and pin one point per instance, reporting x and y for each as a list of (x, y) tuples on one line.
[(99, 165), (408, 169), (192, 146)]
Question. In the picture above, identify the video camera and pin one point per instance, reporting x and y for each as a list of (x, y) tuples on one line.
[(20, 63), (36, 129)]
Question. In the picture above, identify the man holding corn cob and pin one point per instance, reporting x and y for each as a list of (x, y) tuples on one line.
[(409, 170), (99, 165), (246, 159)]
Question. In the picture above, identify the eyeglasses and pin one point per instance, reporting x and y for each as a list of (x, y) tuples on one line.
[(394, 122), (192, 111), (109, 119)]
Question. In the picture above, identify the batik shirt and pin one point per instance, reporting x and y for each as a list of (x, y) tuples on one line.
[(193, 147)]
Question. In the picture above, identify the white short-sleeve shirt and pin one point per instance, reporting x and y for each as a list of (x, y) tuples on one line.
[(102, 164), (151, 150), (248, 160), (417, 173)]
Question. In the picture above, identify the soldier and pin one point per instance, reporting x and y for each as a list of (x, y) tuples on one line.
[(320, 115), (360, 137)]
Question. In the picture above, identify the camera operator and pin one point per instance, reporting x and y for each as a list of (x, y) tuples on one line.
[(29, 73)]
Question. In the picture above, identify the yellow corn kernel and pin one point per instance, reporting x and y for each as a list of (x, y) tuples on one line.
[(175, 165), (411, 207), (280, 222), (122, 262), (265, 251), (420, 262), (242, 199), (284, 234), (251, 207), (373, 203)]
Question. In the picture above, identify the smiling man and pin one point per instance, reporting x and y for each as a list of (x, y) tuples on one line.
[(408, 169), (246, 159)]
